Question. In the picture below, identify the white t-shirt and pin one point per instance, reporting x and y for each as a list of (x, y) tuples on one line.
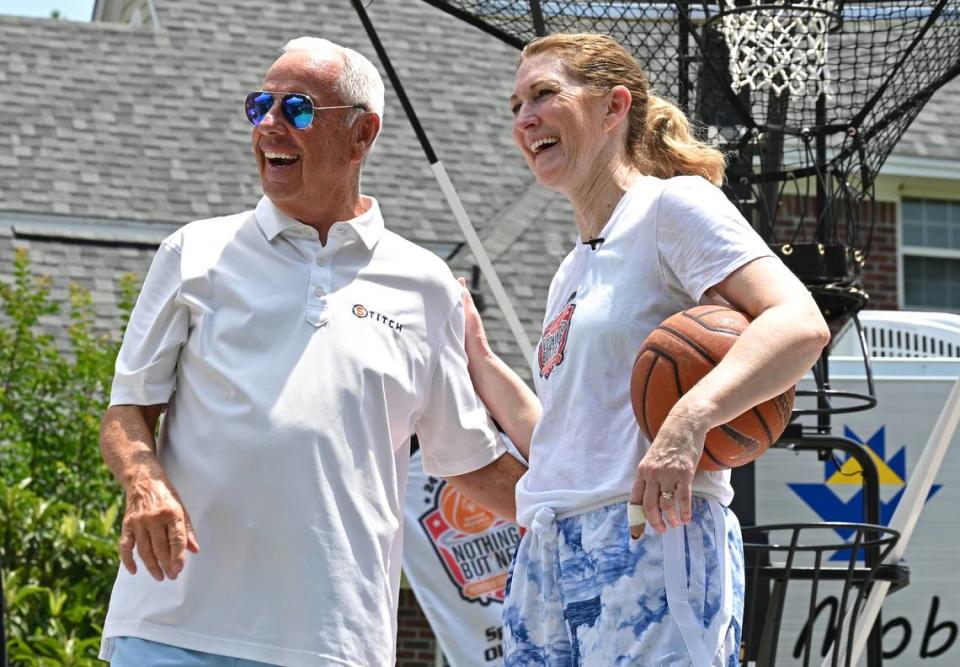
[(666, 243), (295, 375)]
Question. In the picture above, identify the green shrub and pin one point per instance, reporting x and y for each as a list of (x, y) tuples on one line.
[(59, 505)]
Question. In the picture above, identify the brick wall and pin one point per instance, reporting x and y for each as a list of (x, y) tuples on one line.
[(880, 271), (416, 644)]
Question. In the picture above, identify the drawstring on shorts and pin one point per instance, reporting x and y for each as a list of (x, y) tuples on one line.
[(544, 524)]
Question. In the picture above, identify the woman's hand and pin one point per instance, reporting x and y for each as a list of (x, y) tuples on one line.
[(475, 339), (509, 400), (665, 474)]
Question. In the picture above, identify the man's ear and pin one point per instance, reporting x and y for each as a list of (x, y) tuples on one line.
[(619, 101), (366, 129)]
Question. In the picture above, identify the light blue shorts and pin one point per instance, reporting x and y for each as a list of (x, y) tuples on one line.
[(133, 652), (582, 593)]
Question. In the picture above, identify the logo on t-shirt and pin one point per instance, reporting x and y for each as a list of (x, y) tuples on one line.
[(363, 312), (554, 339)]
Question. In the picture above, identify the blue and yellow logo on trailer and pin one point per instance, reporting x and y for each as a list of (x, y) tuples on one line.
[(838, 473)]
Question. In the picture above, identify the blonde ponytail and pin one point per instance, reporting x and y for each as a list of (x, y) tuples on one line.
[(669, 148)]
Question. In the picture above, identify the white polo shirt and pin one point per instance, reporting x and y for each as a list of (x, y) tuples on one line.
[(295, 375), (666, 243)]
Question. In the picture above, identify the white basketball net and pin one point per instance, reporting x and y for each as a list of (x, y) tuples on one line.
[(779, 48)]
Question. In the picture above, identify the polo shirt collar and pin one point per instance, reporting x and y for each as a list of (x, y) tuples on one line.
[(272, 221), (368, 225)]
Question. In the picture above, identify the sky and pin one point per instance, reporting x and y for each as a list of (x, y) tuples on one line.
[(75, 10)]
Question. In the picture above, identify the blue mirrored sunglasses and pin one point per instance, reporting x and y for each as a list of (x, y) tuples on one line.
[(297, 108)]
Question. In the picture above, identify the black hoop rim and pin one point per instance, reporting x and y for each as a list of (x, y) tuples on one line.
[(866, 402), (885, 536)]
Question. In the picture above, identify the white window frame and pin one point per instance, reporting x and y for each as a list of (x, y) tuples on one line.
[(897, 190)]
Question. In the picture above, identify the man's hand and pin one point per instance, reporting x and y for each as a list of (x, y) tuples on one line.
[(155, 521), (158, 525), (494, 486)]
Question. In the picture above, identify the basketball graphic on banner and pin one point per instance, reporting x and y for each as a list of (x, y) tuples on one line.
[(475, 546), (463, 513)]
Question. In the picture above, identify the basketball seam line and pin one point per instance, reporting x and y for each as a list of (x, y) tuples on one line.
[(737, 436), (643, 394), (696, 348), (699, 320)]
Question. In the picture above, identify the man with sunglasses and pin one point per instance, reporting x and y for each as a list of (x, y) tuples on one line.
[(295, 349)]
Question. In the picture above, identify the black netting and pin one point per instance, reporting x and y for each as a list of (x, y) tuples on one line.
[(803, 161)]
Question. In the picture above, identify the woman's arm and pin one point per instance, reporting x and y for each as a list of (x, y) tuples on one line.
[(511, 402), (782, 343)]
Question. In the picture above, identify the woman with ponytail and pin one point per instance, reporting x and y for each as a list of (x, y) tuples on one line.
[(632, 556)]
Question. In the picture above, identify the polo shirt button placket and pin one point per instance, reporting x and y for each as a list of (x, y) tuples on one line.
[(318, 316), (317, 310)]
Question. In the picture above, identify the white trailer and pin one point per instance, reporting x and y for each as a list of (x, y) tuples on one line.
[(916, 361)]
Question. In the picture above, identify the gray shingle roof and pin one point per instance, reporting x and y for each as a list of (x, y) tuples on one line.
[(147, 123), (936, 131), (145, 127)]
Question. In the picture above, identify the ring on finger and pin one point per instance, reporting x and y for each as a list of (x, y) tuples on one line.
[(666, 495)]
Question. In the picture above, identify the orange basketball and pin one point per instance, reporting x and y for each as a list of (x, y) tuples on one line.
[(674, 357), (463, 513)]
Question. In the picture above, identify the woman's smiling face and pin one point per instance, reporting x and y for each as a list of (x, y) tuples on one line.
[(557, 122)]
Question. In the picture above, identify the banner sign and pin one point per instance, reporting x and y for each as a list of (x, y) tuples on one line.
[(456, 556)]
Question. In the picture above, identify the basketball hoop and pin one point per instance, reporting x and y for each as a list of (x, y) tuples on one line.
[(778, 47), (807, 98)]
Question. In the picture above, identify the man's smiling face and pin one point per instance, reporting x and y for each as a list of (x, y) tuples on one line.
[(300, 166)]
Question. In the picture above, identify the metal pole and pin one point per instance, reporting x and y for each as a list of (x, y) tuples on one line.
[(453, 199), (871, 478), (822, 443), (825, 235), (536, 13), (683, 48)]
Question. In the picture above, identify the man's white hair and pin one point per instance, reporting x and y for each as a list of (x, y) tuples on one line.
[(359, 81)]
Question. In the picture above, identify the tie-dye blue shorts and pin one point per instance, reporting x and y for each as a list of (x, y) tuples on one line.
[(582, 593)]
